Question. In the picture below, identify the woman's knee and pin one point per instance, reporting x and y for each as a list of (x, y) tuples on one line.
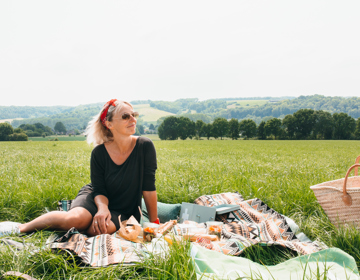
[(79, 217)]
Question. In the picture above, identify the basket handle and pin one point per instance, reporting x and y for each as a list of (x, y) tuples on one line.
[(346, 197), (356, 161)]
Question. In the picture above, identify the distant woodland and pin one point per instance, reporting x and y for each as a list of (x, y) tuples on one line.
[(277, 109), (207, 110)]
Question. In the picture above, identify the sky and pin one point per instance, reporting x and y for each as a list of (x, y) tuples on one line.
[(73, 52)]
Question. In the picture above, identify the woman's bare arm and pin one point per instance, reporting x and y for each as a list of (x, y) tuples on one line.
[(150, 198)]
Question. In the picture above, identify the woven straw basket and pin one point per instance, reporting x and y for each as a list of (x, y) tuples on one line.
[(340, 199)]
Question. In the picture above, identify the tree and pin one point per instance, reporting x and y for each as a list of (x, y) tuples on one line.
[(60, 127), (261, 133), (141, 129), (18, 130), (289, 123), (5, 130), (357, 129), (220, 127), (151, 127), (324, 125), (199, 125), (305, 121), (247, 128), (344, 126), (39, 126), (208, 131), (27, 127), (273, 127), (168, 130), (186, 128), (18, 137), (234, 129)]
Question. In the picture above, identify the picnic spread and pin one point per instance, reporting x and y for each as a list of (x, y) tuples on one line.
[(212, 242)]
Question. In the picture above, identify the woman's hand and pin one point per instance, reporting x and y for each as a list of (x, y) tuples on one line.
[(101, 221), (102, 218)]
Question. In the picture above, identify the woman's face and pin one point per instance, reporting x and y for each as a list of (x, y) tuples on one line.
[(119, 125)]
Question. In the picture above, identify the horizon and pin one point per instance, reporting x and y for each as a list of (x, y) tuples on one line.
[(221, 98)]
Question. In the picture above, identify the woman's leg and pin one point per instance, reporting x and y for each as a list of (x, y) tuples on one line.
[(78, 217)]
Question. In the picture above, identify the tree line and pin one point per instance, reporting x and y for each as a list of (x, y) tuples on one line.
[(304, 124), (188, 105), (279, 109), (21, 133), (8, 133), (207, 110)]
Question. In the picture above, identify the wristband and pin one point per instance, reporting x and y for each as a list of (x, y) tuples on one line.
[(157, 221)]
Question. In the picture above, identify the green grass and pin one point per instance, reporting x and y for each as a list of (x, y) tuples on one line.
[(153, 137), (59, 137), (149, 114), (245, 103), (35, 175)]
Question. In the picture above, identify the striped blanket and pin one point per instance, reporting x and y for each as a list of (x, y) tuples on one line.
[(254, 223)]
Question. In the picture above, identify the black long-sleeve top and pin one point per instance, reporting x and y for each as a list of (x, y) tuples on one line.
[(123, 184)]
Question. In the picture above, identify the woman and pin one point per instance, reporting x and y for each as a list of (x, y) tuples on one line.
[(122, 171)]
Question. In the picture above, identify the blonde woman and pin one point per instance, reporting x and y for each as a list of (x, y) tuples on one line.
[(122, 172)]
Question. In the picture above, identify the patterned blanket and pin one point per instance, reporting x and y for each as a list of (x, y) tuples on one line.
[(100, 250), (254, 223)]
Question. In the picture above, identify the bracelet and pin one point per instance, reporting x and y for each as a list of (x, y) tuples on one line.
[(157, 221)]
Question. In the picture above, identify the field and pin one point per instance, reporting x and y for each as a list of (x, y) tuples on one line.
[(9, 120), (35, 175), (245, 103), (149, 114), (59, 138)]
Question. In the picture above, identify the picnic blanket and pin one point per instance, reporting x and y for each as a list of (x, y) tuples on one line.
[(255, 223), (100, 250)]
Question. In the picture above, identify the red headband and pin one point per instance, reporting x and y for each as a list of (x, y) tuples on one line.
[(105, 110)]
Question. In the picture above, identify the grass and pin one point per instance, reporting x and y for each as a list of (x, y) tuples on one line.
[(59, 137), (35, 175), (149, 114), (153, 137), (47, 264)]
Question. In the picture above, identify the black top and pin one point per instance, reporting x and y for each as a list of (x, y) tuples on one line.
[(123, 184)]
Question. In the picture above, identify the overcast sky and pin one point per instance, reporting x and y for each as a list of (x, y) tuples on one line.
[(79, 52)]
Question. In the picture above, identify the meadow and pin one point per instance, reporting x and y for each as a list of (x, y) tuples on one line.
[(59, 138), (35, 175), (150, 114)]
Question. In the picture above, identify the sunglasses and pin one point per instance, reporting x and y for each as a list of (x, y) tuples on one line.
[(126, 116)]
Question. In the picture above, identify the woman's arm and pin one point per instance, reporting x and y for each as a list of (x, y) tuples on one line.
[(149, 190), (150, 198), (97, 172), (102, 218)]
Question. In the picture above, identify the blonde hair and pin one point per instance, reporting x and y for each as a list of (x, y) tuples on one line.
[(96, 133)]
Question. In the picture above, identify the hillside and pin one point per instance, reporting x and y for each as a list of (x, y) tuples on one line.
[(257, 109), (79, 116), (155, 111), (25, 112)]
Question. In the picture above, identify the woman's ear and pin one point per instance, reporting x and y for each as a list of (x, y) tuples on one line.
[(108, 124)]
